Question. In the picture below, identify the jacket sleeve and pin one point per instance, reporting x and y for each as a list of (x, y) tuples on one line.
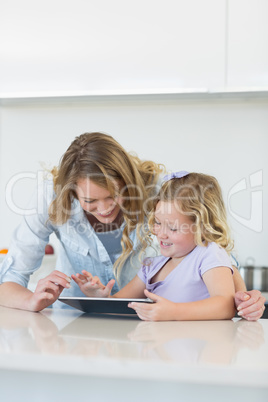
[(27, 246)]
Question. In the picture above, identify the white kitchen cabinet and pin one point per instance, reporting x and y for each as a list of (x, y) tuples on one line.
[(103, 46), (247, 43)]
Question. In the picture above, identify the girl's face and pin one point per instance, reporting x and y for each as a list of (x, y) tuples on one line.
[(97, 201), (174, 231)]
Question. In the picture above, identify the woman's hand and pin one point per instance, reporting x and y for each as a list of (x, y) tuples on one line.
[(48, 290), (250, 304), (92, 286), (160, 310)]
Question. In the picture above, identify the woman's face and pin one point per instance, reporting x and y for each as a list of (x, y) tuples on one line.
[(97, 201)]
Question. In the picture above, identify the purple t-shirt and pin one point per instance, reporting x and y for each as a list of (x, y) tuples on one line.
[(185, 283)]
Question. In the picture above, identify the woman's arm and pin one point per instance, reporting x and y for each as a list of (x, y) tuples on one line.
[(47, 291), (219, 306), (26, 251)]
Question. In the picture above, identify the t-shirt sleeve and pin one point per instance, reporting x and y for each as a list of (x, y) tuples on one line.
[(214, 256), (142, 273)]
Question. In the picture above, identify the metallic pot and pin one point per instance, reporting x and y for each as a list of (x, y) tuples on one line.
[(255, 277)]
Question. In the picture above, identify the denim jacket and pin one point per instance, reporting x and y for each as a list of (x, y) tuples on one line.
[(79, 247)]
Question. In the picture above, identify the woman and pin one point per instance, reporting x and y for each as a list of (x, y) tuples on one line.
[(97, 206)]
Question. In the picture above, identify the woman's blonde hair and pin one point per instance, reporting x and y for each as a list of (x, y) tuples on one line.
[(199, 197), (100, 158)]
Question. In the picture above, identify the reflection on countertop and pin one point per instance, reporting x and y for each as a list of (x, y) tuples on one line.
[(67, 340)]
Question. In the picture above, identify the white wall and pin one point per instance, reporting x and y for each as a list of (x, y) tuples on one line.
[(226, 138)]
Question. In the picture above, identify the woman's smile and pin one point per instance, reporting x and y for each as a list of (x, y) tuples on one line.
[(106, 214)]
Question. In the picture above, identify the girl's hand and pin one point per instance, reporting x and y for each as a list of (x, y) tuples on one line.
[(250, 305), (48, 290), (92, 286), (161, 310)]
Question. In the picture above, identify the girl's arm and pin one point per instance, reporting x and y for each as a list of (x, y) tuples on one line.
[(239, 283), (219, 282), (92, 287), (219, 306), (133, 290)]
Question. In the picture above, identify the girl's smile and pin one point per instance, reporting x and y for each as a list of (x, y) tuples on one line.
[(165, 245)]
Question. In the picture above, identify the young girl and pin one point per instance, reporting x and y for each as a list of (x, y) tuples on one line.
[(192, 279)]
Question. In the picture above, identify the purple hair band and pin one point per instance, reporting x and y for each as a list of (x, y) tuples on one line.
[(174, 175)]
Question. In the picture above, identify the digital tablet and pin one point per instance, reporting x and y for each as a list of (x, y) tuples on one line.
[(105, 305)]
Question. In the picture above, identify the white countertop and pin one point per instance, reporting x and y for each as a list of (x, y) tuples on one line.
[(231, 353)]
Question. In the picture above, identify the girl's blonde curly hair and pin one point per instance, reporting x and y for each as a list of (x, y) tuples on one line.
[(199, 197)]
